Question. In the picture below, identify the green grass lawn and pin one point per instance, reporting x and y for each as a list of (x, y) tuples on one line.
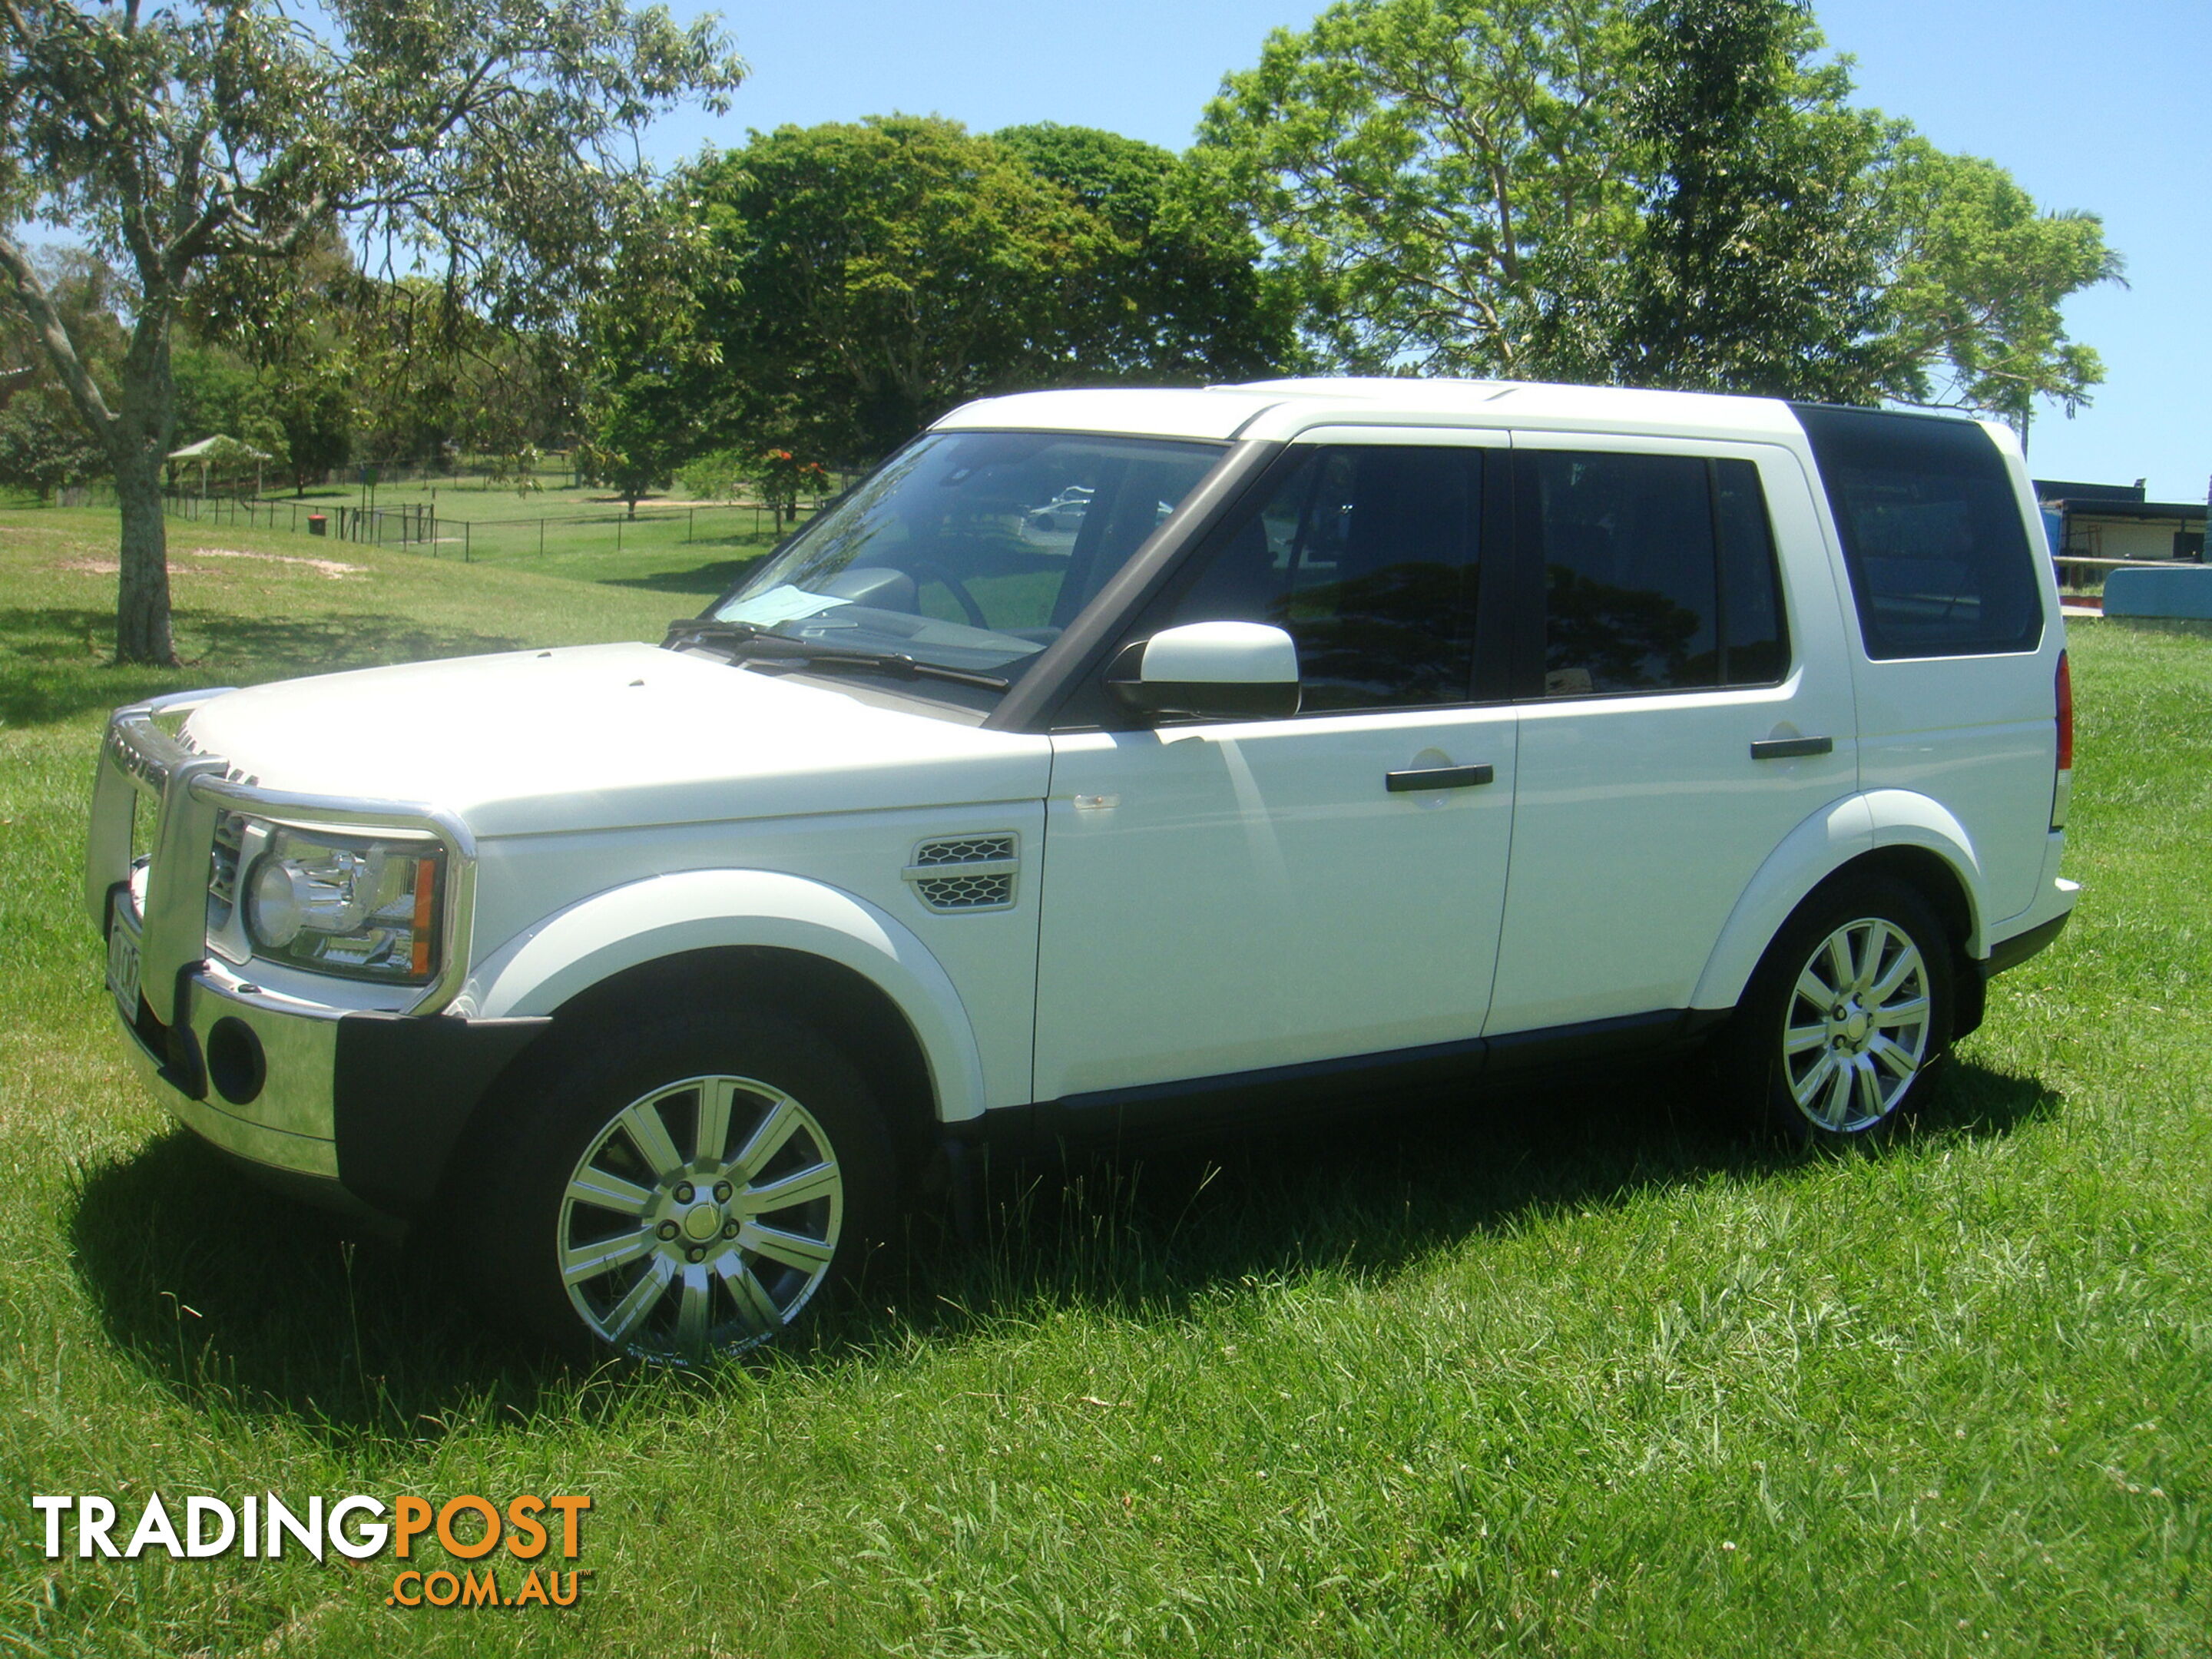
[(1581, 1372), (586, 535)]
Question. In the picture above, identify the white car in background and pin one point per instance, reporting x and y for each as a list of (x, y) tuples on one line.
[(1063, 513), (1439, 731)]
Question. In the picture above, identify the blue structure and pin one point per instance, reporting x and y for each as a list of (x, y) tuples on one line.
[(2185, 590)]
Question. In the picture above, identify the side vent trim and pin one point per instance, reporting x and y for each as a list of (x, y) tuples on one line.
[(965, 873)]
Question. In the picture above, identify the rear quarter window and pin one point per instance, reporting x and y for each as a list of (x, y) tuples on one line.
[(1940, 564)]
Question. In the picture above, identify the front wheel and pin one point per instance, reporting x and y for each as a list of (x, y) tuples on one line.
[(1847, 1015), (682, 1189)]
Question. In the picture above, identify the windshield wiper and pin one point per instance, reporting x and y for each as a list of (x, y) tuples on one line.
[(755, 640), (896, 664), (709, 630)]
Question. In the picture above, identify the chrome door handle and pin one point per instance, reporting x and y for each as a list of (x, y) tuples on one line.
[(1791, 748), (1439, 777)]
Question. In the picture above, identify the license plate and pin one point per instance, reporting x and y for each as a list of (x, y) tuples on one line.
[(123, 964)]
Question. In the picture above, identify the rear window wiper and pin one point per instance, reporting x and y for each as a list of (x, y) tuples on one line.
[(754, 640)]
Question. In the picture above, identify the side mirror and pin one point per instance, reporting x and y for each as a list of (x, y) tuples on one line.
[(1212, 671)]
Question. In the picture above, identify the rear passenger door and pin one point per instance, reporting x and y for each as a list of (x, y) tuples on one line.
[(1684, 703)]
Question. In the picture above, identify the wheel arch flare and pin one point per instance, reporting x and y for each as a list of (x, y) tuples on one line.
[(804, 938), (1897, 830)]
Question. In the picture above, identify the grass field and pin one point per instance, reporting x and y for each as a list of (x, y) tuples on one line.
[(584, 534), (1578, 1373)]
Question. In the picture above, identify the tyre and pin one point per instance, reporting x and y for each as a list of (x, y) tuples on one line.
[(1847, 1017), (678, 1189)]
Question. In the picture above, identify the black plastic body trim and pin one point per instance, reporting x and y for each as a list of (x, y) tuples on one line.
[(403, 1088), (1439, 777), (1791, 748), (1277, 1093), (2011, 953)]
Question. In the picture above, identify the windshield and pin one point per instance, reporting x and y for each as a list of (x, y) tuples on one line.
[(971, 550)]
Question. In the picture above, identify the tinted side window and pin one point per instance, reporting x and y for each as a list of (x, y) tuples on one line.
[(1939, 562), (1367, 555), (1754, 630), (1659, 574), (1630, 602)]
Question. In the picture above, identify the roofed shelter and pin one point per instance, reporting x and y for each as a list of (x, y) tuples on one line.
[(220, 451)]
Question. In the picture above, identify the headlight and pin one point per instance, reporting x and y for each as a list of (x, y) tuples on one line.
[(341, 904)]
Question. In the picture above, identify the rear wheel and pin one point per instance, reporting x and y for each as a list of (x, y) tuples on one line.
[(684, 1188), (1847, 1015)]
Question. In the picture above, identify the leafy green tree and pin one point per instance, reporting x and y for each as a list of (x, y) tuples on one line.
[(1665, 192), (653, 386), (1757, 266), (43, 444), (1978, 276), (314, 409), (1174, 292), (1441, 180), (867, 276), (783, 477), (197, 139), (219, 392)]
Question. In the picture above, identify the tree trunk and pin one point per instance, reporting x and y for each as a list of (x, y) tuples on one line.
[(137, 448), (142, 611)]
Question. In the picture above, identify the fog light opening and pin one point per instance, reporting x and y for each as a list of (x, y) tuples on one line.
[(236, 1063)]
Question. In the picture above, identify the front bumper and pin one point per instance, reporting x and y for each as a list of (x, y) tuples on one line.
[(284, 1118), (349, 1108)]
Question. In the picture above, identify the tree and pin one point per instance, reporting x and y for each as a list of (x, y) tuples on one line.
[(1758, 266), (653, 386), (1978, 276), (1174, 292), (43, 444), (214, 136), (865, 277), (781, 478), (1671, 193), (314, 410), (1440, 179)]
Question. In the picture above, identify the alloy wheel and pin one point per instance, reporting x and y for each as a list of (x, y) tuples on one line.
[(1856, 1027), (702, 1219)]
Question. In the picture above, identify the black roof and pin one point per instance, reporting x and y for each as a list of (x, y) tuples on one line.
[(2095, 508), (2060, 489)]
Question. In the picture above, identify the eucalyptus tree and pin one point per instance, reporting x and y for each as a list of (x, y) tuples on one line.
[(492, 144)]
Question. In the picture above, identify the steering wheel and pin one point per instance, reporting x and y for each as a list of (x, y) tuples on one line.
[(929, 570)]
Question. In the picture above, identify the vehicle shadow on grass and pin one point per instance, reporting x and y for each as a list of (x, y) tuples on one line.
[(240, 1300), (54, 662), (1145, 1231)]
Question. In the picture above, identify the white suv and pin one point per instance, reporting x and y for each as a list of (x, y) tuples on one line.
[(1355, 734)]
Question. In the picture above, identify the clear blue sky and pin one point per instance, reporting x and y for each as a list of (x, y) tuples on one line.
[(2106, 110)]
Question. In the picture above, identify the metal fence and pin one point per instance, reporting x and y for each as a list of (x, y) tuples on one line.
[(420, 525)]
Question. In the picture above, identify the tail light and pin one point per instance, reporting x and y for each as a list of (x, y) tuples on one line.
[(2065, 785)]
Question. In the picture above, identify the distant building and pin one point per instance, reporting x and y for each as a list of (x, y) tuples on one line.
[(2113, 521)]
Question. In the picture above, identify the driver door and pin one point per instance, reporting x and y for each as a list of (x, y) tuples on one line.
[(1226, 896)]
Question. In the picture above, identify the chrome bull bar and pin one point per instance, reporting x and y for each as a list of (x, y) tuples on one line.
[(190, 791), (139, 758)]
